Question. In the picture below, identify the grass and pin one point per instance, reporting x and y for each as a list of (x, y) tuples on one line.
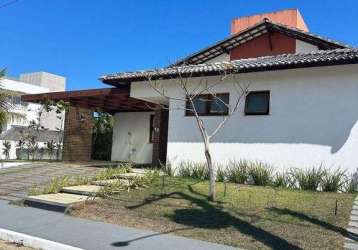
[(251, 217)]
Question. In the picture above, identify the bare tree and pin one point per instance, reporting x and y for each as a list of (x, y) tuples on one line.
[(201, 89)]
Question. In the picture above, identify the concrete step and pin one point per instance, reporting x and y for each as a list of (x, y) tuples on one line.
[(353, 224), (90, 190), (110, 182), (139, 170), (354, 218), (353, 233), (56, 202), (129, 175), (350, 246), (144, 171)]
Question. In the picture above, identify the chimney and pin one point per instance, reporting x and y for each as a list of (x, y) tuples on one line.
[(291, 18)]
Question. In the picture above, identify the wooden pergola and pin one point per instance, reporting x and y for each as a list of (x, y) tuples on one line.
[(110, 100)]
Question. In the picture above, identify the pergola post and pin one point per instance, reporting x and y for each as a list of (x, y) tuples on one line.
[(77, 141)]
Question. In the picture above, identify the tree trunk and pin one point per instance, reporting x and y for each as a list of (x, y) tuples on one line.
[(212, 172)]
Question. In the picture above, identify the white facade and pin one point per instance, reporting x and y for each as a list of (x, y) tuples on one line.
[(30, 111), (312, 121), (51, 81)]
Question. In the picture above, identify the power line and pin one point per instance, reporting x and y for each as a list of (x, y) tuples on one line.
[(8, 3)]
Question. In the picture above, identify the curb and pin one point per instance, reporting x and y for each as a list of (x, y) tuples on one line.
[(351, 239), (33, 242)]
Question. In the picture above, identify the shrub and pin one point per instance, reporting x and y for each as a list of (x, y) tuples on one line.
[(237, 171), (351, 185), (129, 184), (168, 169), (309, 179), (199, 171), (220, 174), (334, 181), (260, 173), (56, 185), (196, 170), (109, 173), (151, 175), (281, 180), (184, 169)]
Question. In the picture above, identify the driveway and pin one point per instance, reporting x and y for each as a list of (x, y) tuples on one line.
[(16, 180)]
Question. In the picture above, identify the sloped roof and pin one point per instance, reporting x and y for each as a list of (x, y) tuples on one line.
[(285, 61), (16, 133), (224, 46)]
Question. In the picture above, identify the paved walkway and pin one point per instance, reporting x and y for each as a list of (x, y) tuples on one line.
[(15, 181), (351, 241), (89, 234)]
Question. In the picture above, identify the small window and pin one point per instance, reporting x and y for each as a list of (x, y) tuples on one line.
[(257, 103), (209, 105), (151, 129)]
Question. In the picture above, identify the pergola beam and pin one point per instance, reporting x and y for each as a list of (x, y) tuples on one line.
[(108, 99)]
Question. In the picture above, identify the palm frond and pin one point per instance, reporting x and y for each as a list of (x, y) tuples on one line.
[(3, 118), (2, 72), (6, 113)]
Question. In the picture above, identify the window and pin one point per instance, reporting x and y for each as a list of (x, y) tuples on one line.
[(151, 129), (209, 105), (257, 103), (16, 101)]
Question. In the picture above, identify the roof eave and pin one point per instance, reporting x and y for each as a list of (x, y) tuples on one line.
[(113, 81)]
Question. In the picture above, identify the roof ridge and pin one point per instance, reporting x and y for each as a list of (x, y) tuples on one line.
[(267, 57), (264, 23), (308, 33)]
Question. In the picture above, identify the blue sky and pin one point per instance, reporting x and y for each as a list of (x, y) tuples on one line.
[(83, 39)]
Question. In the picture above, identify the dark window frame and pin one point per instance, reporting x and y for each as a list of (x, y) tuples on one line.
[(267, 111), (207, 112), (151, 128)]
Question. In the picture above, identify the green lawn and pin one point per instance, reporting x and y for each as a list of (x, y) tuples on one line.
[(250, 217)]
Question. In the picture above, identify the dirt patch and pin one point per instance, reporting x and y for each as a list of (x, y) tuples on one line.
[(12, 246)]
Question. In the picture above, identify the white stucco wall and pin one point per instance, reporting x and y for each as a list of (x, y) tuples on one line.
[(303, 47), (313, 120), (131, 137)]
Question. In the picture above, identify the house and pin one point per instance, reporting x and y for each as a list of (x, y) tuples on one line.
[(301, 109), (30, 83)]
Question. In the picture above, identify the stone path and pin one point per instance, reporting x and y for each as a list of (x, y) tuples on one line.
[(351, 241), (15, 181), (69, 196)]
